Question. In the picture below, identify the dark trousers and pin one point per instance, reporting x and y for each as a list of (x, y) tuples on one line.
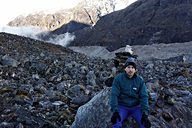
[(124, 112)]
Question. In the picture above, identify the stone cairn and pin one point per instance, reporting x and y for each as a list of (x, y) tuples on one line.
[(119, 61)]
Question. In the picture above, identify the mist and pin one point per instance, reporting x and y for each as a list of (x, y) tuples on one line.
[(33, 32), (62, 39)]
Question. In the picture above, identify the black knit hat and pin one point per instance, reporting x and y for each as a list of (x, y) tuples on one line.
[(130, 61)]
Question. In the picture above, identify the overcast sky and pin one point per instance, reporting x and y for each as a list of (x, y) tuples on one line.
[(10, 9)]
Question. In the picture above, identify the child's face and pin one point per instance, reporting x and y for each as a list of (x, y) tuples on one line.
[(130, 70)]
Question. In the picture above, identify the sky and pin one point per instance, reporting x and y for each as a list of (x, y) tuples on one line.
[(10, 9)]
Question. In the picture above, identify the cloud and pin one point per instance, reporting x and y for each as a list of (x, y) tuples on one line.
[(22, 31), (33, 32), (63, 39)]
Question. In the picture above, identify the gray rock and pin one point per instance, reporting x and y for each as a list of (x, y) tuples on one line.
[(6, 60), (73, 91), (91, 78), (94, 114), (80, 100)]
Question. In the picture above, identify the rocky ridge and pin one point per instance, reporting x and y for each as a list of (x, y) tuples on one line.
[(86, 12), (43, 85)]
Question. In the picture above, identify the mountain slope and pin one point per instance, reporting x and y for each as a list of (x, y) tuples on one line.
[(86, 12), (143, 22)]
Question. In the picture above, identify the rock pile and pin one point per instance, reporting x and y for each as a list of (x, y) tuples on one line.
[(120, 58), (119, 61)]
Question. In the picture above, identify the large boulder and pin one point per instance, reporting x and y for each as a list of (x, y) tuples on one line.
[(96, 113)]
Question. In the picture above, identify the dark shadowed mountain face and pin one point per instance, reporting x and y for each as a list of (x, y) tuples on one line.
[(72, 26), (143, 22)]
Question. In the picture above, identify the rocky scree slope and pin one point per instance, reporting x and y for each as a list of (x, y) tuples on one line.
[(42, 84), (46, 85)]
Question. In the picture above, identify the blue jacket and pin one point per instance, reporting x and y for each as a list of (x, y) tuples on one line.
[(129, 92)]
